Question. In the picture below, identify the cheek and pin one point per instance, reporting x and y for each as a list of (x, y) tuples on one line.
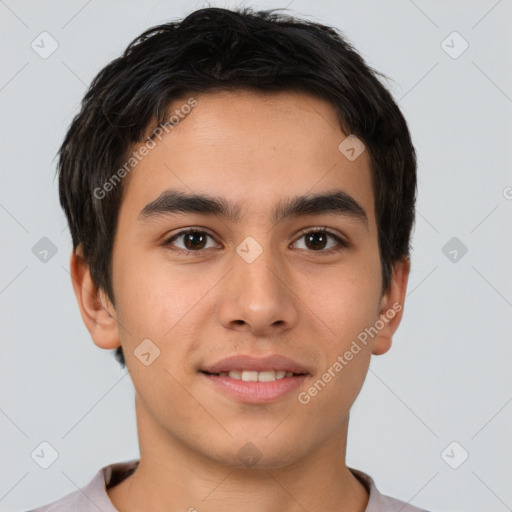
[(154, 307), (350, 304), (153, 298), (167, 307), (347, 300), (346, 349)]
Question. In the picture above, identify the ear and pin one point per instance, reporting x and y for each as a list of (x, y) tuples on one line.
[(392, 306), (97, 312)]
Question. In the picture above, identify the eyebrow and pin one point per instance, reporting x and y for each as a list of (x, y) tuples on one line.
[(335, 202)]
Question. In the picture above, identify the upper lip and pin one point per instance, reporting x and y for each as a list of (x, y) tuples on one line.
[(252, 363)]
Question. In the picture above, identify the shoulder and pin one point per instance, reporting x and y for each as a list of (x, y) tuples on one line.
[(93, 496), (379, 502)]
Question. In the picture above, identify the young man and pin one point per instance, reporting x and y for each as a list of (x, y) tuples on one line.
[(240, 191)]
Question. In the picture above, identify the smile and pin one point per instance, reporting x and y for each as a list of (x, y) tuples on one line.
[(255, 376)]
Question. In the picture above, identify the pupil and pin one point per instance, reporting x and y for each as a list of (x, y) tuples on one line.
[(189, 240), (313, 238)]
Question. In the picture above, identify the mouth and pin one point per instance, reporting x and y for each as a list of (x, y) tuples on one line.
[(255, 380)]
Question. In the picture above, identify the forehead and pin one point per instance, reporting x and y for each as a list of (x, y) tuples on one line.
[(252, 147)]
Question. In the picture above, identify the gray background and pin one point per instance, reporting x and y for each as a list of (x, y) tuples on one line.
[(447, 377)]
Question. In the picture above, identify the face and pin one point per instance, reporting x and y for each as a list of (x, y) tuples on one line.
[(266, 280)]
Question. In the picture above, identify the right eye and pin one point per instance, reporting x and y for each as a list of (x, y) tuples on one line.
[(193, 240)]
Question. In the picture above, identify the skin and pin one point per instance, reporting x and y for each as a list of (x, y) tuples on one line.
[(256, 150)]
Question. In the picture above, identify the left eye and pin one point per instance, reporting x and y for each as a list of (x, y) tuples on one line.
[(317, 240)]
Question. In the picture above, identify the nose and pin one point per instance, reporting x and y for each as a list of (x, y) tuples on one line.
[(257, 297)]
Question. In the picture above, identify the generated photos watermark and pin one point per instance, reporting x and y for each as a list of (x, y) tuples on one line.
[(142, 151), (305, 397)]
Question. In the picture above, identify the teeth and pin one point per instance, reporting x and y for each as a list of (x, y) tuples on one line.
[(253, 376), (267, 376), (249, 376)]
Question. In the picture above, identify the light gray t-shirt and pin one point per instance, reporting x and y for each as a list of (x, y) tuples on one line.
[(94, 497)]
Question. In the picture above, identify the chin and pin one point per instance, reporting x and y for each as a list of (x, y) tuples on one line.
[(259, 452)]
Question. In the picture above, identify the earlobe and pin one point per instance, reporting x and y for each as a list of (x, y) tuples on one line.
[(391, 308), (97, 312)]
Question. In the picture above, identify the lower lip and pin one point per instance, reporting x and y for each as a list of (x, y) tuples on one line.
[(256, 392)]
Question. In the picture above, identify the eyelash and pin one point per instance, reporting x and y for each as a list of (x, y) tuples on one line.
[(342, 243)]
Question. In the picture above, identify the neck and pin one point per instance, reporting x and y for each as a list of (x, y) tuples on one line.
[(173, 476)]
